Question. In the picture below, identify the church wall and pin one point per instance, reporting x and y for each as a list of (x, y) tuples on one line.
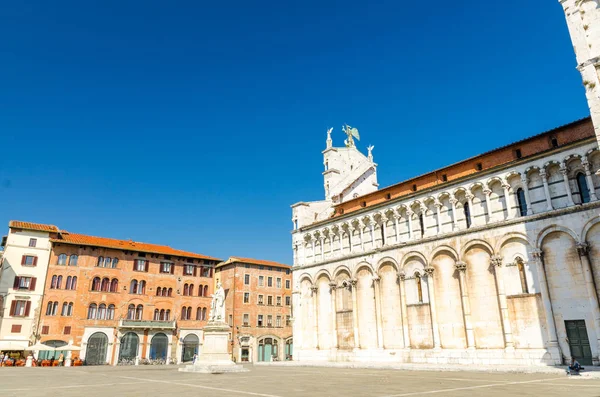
[(527, 321), (450, 312), (420, 331)]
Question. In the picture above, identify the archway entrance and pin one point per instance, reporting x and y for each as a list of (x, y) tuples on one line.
[(289, 349), (47, 354), (97, 345), (190, 347), (158, 347), (129, 347), (267, 349)]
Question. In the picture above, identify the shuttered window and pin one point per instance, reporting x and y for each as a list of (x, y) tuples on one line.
[(67, 330), (45, 329), (15, 328), (28, 260), (20, 308)]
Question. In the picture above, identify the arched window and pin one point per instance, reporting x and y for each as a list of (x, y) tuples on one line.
[(205, 290), (584, 192), (200, 290), (107, 262), (70, 309), (62, 259), (204, 313), (139, 312), (467, 214), (131, 312), (100, 261), (133, 286), (168, 315), (102, 312), (105, 285), (159, 346), (522, 202), (49, 308), (422, 224), (159, 291), (141, 287), (184, 313), (199, 313), (185, 290), (64, 310), (53, 283), (96, 284), (74, 282), (156, 315), (114, 285), (382, 233), (189, 313), (170, 292), (162, 315), (73, 260), (191, 290), (92, 311), (522, 275), (55, 309), (59, 282), (68, 283), (129, 346), (418, 281), (110, 312), (115, 262)]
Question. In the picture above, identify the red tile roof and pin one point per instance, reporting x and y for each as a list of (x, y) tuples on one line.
[(82, 239), (251, 261), (32, 226)]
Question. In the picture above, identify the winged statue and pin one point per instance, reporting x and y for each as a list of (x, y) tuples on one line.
[(352, 133)]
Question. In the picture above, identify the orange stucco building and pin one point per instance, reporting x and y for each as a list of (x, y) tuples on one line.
[(122, 300)]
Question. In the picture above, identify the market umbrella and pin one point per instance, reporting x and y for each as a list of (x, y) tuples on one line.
[(40, 347), (6, 345), (69, 347)]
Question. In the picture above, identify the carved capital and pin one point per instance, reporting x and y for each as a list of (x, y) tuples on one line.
[(376, 278), (564, 170), (402, 275), (460, 266), (506, 186), (453, 201), (437, 204), (332, 286), (429, 270), (496, 260), (409, 213), (314, 289), (583, 249), (543, 174), (353, 282), (586, 165), (469, 196), (487, 192), (537, 254)]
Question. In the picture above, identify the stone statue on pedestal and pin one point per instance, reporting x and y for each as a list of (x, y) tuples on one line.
[(217, 306)]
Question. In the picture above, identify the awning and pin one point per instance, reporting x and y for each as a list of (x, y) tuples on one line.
[(69, 347), (8, 345), (40, 347)]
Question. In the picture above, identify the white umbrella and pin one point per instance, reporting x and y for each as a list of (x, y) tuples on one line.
[(39, 347), (69, 347), (6, 345)]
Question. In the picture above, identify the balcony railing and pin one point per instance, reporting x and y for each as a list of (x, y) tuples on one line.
[(147, 324)]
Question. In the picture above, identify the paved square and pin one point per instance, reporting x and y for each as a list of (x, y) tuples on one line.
[(283, 381)]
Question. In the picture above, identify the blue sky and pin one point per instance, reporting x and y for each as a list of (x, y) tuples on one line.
[(197, 124)]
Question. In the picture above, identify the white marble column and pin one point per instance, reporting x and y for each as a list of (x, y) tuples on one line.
[(461, 267), (565, 173), (526, 192), (402, 286), (438, 211), (315, 298), (322, 242), (371, 227), (352, 287), (488, 205), (332, 291), (314, 253), (508, 338), (590, 180), (434, 324), (424, 215), (546, 190), (409, 215), (362, 238), (453, 202), (551, 326), (397, 227), (376, 286), (584, 250), (510, 213), (470, 198), (350, 231)]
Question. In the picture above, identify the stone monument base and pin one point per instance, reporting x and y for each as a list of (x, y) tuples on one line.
[(215, 358)]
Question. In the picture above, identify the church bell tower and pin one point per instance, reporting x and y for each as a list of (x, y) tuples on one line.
[(583, 21)]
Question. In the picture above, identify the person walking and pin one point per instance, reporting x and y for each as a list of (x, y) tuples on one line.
[(61, 359)]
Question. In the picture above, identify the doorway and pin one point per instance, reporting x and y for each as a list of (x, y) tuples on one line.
[(579, 343), (96, 349)]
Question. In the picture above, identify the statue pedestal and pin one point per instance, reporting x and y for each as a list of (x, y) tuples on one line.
[(215, 358)]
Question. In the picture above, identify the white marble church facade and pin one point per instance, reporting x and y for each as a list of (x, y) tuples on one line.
[(497, 266)]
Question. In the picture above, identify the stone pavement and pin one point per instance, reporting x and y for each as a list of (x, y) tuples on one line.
[(284, 381)]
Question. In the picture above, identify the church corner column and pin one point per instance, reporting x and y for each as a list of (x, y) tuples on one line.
[(429, 270), (315, 297), (583, 250), (332, 291), (496, 261), (553, 346), (352, 287), (461, 267), (376, 286), (406, 335)]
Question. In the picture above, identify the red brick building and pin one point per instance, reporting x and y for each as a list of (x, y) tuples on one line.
[(125, 300), (258, 308)]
